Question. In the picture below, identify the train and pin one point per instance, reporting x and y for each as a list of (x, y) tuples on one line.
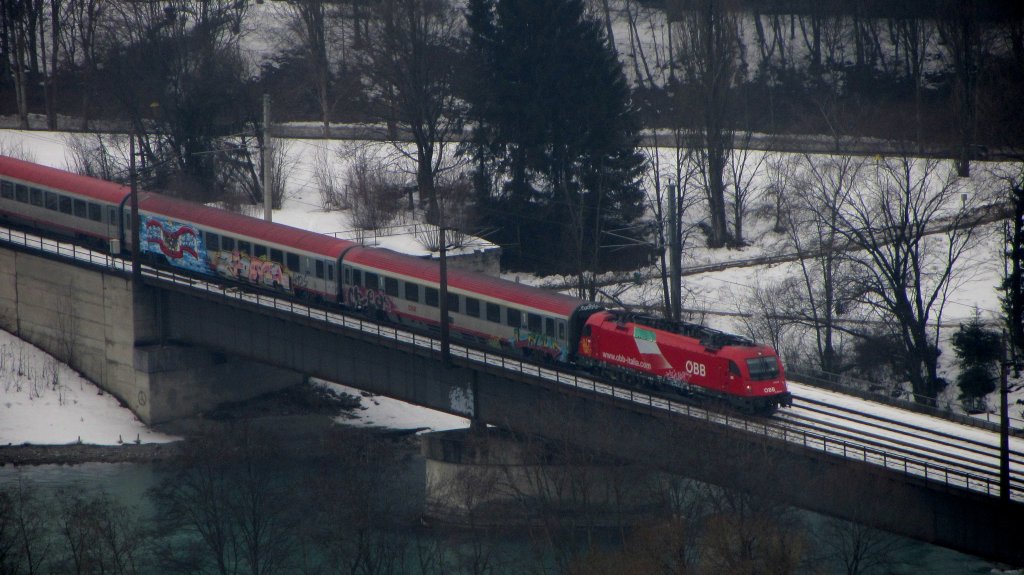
[(485, 311)]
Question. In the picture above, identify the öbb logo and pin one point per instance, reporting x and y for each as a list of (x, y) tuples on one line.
[(696, 368)]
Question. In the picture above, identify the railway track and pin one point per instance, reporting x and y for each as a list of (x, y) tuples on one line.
[(925, 439)]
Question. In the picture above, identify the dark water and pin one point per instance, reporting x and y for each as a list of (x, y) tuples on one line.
[(129, 484)]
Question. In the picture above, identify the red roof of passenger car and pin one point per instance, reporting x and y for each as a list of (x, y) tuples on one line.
[(490, 286), (47, 177), (239, 225)]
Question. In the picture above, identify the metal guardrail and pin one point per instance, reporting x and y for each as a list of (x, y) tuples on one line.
[(909, 467)]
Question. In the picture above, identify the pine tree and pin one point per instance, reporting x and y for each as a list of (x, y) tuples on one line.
[(557, 125), (977, 347)]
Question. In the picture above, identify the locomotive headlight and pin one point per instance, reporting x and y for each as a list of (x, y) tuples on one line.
[(749, 388)]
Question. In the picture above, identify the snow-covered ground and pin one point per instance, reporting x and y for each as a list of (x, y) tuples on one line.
[(44, 402)]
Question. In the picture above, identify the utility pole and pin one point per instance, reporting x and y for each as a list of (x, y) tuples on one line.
[(1004, 426), (135, 233), (673, 255), (268, 196), (445, 352)]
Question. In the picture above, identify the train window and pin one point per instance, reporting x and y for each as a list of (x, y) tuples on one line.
[(472, 307), (371, 280), (212, 241), (494, 312), (65, 204), (245, 247), (112, 215), (391, 286), (763, 368), (21, 193), (412, 291), (80, 210), (6, 190), (561, 330), (95, 212), (453, 302), (259, 251), (357, 277), (227, 244), (291, 261), (549, 327), (330, 272), (430, 296), (319, 269), (276, 256), (513, 317), (533, 322), (36, 197), (734, 369)]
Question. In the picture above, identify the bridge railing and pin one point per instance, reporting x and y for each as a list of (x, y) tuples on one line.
[(807, 439)]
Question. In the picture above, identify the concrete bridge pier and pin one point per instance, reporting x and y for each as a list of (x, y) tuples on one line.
[(112, 332), (480, 477)]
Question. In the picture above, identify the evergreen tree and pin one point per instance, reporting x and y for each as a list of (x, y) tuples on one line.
[(557, 127), (978, 350)]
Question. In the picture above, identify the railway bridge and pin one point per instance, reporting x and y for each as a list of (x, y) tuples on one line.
[(168, 345)]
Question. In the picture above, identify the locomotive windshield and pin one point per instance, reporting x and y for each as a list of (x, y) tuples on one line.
[(763, 368)]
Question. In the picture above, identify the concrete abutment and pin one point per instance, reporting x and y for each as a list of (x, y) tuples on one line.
[(488, 477), (111, 332)]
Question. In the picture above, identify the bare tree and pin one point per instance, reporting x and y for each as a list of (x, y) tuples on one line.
[(744, 533), (178, 76), (858, 549), (91, 155), (411, 65), (743, 174), (228, 504), (327, 182), (824, 186), (960, 34), (308, 22), (354, 505), (677, 173), (764, 313), (25, 539), (18, 20), (709, 51), (912, 221), (915, 36), (99, 535), (82, 42), (373, 192)]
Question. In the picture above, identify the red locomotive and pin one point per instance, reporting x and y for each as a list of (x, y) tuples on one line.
[(482, 310), (685, 358)]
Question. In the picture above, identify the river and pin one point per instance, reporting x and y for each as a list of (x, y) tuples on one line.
[(130, 485)]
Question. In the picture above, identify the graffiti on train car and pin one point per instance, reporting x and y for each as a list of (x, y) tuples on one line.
[(180, 243), (242, 266)]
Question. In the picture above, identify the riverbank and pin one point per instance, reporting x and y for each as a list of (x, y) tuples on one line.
[(76, 453), (299, 415)]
